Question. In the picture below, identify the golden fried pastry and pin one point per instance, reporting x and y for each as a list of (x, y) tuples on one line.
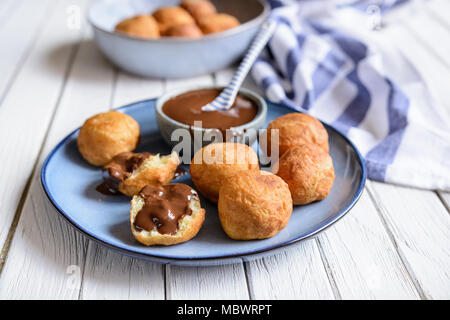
[(199, 9), (217, 23), (184, 30), (143, 26), (171, 16), (166, 215), (107, 134), (217, 161), (254, 205), (129, 172), (296, 129), (308, 171)]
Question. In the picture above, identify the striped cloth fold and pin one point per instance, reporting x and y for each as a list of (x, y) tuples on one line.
[(317, 62)]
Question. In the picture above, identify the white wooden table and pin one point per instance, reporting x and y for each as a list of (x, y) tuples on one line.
[(394, 244)]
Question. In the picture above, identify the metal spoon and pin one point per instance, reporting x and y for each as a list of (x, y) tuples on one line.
[(226, 98)]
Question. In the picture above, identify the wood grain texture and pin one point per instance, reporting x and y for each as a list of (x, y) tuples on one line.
[(18, 34), (110, 275), (362, 259), (296, 273), (28, 108), (204, 283), (419, 225), (445, 198), (47, 255), (131, 89)]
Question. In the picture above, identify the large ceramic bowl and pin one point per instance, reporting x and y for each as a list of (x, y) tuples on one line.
[(174, 57)]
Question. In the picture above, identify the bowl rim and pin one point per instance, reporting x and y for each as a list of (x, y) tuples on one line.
[(260, 102), (258, 20)]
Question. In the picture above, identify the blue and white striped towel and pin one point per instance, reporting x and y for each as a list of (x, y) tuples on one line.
[(317, 63)]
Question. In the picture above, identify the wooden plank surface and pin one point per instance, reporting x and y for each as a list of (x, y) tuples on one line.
[(28, 108), (445, 198), (419, 225), (18, 38), (296, 273), (110, 275), (362, 260), (204, 283), (45, 248)]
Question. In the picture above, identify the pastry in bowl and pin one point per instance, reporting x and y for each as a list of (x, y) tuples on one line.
[(189, 30), (129, 172), (217, 23), (166, 215), (142, 26), (308, 171), (199, 9), (296, 129), (171, 16), (107, 134), (215, 162), (254, 205)]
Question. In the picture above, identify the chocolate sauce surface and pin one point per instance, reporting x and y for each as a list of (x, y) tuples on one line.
[(186, 108), (180, 172), (119, 169), (164, 207)]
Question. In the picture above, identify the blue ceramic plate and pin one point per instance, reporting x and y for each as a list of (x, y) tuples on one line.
[(70, 183)]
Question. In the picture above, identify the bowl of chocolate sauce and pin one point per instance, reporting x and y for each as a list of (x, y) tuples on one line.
[(179, 116)]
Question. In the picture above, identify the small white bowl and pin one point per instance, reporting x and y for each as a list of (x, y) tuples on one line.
[(169, 57), (243, 133)]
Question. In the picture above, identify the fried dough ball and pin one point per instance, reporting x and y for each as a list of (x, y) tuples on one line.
[(254, 205), (308, 171), (143, 26), (129, 172), (199, 9), (171, 16), (107, 134), (184, 30), (217, 161), (296, 129), (217, 23), (175, 207)]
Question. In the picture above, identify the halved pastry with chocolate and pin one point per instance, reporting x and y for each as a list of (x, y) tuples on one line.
[(166, 215), (129, 172)]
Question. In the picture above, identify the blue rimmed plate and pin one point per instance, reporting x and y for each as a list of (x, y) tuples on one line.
[(69, 182)]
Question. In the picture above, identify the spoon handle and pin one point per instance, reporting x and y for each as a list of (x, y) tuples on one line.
[(228, 95)]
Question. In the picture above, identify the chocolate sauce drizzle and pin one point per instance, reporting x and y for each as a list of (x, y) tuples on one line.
[(118, 169), (164, 207)]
